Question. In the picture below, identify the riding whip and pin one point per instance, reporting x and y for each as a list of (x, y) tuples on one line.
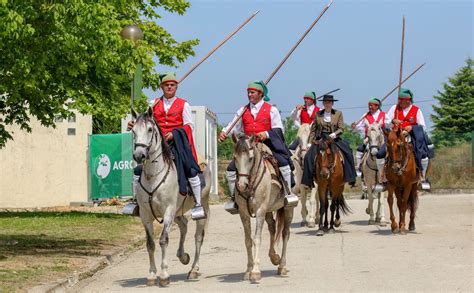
[(282, 62)]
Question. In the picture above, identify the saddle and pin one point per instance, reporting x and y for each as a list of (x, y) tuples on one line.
[(272, 165)]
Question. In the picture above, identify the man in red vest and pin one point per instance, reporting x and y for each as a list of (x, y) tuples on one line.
[(173, 116), (304, 114), (410, 118), (263, 121), (374, 115)]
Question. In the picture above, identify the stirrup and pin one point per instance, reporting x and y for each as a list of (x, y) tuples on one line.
[(198, 213), (291, 200), (378, 188), (131, 209), (358, 172), (425, 185), (231, 206)]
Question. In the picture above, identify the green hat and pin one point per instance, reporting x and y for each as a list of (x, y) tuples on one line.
[(405, 93), (375, 101), (261, 87), (311, 95), (166, 77)]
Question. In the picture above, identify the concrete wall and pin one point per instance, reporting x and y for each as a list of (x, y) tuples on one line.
[(47, 167), (205, 140)]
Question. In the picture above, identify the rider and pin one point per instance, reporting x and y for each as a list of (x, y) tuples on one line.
[(328, 123), (304, 114), (263, 121), (374, 115), (407, 115), (173, 116)]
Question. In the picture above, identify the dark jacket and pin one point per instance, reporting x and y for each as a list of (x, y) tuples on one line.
[(319, 126), (186, 165)]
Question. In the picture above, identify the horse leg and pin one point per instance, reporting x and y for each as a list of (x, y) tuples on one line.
[(403, 209), (183, 230), (164, 239), (150, 246), (322, 208), (248, 243), (326, 207), (274, 257), (380, 217), (413, 202), (394, 225), (304, 209), (255, 274), (370, 207), (314, 209), (288, 217), (333, 210), (198, 239)]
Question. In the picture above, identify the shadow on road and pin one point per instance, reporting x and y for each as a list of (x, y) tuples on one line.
[(239, 277)]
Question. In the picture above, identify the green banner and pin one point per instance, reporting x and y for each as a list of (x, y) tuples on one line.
[(110, 161)]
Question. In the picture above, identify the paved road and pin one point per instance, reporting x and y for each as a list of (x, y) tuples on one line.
[(439, 256)]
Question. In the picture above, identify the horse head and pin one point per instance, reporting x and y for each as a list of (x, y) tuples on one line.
[(325, 158), (303, 138), (375, 137), (147, 136), (397, 149), (245, 156)]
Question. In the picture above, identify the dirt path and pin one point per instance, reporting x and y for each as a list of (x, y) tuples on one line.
[(359, 257)]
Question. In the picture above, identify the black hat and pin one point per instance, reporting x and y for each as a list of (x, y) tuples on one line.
[(328, 98)]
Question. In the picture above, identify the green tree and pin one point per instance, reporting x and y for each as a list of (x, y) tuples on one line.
[(352, 137), (57, 56), (290, 130), (225, 149), (454, 117)]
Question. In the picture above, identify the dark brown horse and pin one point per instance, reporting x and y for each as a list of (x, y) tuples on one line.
[(330, 179), (402, 178)]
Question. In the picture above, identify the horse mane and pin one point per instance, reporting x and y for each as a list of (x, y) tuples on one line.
[(165, 148), (304, 129), (241, 146)]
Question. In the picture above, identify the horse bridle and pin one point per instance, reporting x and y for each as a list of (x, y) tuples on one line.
[(333, 156), (252, 183), (404, 154), (147, 146)]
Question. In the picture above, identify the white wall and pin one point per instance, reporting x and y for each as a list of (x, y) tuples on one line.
[(47, 167)]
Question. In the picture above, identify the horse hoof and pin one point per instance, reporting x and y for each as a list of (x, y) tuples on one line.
[(185, 259), (367, 211), (164, 282), (275, 258), (337, 223), (411, 227), (320, 232), (246, 276), (150, 282), (378, 220), (382, 224), (311, 225), (371, 222), (282, 272), (331, 231), (255, 277), (403, 232), (303, 224), (193, 275)]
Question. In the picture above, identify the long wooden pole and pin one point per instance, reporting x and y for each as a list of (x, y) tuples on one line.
[(401, 55), (396, 87), (282, 62), (219, 45)]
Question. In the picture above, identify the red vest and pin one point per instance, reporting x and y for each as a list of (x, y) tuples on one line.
[(261, 123), (410, 119), (305, 118), (371, 120), (171, 120)]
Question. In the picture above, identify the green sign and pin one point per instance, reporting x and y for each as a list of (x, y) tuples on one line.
[(110, 161)]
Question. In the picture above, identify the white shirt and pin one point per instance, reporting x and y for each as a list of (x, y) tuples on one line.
[(360, 127), (187, 116), (327, 116), (275, 117), (296, 114), (420, 119)]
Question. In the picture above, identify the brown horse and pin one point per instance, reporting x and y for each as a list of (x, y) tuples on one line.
[(330, 178), (402, 178)]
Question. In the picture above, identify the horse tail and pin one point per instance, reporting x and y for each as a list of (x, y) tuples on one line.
[(280, 223), (413, 199), (341, 203)]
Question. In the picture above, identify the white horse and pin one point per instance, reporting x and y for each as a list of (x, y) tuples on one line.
[(158, 197), (309, 216), (258, 196), (375, 138)]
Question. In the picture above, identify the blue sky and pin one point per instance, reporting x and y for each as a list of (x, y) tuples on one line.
[(355, 46)]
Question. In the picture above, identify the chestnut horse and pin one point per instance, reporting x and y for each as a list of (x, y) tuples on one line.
[(402, 178), (330, 179)]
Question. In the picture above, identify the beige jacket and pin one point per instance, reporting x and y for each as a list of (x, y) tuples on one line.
[(336, 125)]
